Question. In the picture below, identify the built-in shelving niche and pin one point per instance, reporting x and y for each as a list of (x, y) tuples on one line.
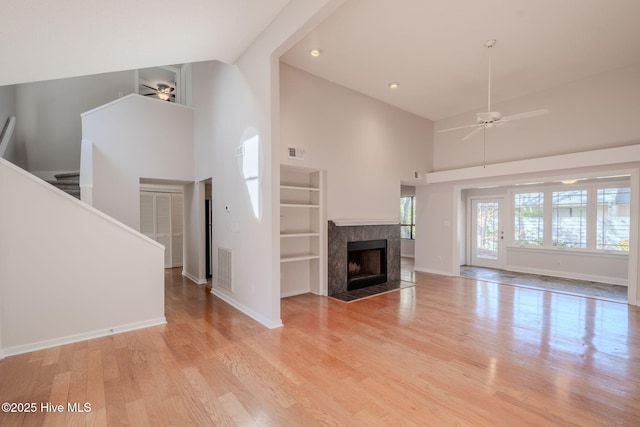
[(302, 232)]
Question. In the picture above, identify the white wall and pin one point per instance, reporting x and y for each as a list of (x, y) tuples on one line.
[(194, 267), (203, 98), (435, 218), (367, 147), (236, 99), (68, 272), (234, 111), (597, 112), (48, 127), (136, 137)]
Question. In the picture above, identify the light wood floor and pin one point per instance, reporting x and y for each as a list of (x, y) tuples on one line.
[(449, 351)]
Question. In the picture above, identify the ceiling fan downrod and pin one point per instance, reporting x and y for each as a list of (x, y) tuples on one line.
[(489, 43)]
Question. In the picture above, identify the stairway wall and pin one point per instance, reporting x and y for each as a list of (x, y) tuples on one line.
[(48, 128), (67, 271)]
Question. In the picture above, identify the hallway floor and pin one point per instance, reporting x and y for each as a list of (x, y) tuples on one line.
[(584, 288), (596, 290)]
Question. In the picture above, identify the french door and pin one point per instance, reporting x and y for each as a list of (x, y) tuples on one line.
[(487, 235)]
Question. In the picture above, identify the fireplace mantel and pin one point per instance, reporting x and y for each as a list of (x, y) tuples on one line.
[(355, 222)]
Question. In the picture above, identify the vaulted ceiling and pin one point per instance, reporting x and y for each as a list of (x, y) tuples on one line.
[(42, 40), (436, 50)]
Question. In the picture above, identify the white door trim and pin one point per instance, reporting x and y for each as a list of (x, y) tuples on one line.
[(471, 232)]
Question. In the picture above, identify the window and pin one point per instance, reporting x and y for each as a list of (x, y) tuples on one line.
[(612, 230), (569, 218), (594, 217), (407, 217), (528, 218)]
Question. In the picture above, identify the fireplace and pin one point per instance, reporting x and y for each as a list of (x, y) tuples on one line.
[(366, 263), (379, 260)]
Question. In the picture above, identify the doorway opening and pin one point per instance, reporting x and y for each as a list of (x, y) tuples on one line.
[(208, 229)]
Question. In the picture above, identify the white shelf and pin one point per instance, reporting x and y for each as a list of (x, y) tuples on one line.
[(302, 257), (298, 188), (297, 205), (283, 235), (302, 231)]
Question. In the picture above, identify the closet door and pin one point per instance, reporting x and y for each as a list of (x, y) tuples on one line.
[(161, 220)]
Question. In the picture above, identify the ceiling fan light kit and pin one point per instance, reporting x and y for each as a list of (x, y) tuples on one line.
[(490, 119)]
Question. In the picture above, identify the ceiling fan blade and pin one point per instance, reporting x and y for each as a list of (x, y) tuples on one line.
[(473, 132), (459, 127), (150, 94), (149, 87), (526, 115)]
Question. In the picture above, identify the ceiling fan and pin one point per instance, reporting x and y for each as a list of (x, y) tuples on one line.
[(492, 119), (162, 91)]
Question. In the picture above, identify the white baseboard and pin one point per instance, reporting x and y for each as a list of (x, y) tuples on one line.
[(430, 271), (194, 279), (271, 324), (41, 345), (294, 292), (565, 275)]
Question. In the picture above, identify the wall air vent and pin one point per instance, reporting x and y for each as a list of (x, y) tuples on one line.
[(225, 263), (296, 153)]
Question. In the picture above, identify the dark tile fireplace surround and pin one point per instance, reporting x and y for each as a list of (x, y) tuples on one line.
[(371, 237)]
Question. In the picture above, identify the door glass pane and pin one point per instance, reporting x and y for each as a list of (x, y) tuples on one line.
[(487, 229)]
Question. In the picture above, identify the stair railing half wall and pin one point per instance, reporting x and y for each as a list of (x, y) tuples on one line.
[(7, 133)]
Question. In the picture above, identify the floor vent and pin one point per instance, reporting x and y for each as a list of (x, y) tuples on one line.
[(225, 268)]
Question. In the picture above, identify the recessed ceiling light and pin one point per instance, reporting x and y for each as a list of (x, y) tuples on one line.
[(315, 52), (394, 85)]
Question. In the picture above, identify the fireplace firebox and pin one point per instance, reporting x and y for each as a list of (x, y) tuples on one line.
[(366, 263)]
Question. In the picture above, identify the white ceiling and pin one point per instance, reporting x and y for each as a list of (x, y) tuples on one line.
[(42, 40), (435, 48)]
